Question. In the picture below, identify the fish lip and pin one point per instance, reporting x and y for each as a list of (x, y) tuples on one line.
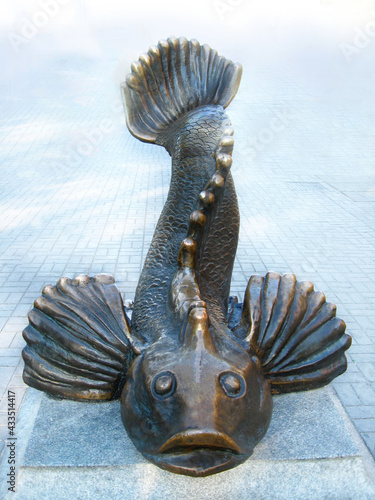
[(191, 439), (198, 453)]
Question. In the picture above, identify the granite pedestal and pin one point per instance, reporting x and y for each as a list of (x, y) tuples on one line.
[(71, 450)]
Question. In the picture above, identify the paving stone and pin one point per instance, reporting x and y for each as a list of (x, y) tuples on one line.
[(365, 392), (356, 412), (3, 390), (9, 360), (369, 438), (6, 373), (368, 370), (347, 394), (365, 424)]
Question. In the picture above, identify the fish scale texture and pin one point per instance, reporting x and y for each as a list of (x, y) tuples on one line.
[(191, 141)]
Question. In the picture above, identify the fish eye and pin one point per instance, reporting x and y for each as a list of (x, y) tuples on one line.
[(233, 384), (163, 385)]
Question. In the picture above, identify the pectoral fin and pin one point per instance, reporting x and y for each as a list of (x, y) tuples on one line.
[(293, 331), (79, 344)]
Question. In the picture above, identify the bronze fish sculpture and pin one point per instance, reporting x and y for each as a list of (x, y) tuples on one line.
[(195, 371)]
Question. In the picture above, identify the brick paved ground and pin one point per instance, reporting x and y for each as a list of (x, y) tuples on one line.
[(78, 194)]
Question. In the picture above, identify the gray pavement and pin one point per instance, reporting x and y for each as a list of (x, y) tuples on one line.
[(78, 194)]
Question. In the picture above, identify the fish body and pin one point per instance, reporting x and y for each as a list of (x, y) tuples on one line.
[(195, 372)]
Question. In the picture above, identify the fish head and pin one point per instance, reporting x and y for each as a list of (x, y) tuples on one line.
[(199, 405)]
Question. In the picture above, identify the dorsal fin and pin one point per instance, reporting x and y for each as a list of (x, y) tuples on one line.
[(173, 78), (184, 290)]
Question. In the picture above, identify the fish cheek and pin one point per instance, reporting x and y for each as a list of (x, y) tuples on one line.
[(131, 411), (245, 418), (262, 417), (136, 413), (257, 416), (230, 412), (147, 419)]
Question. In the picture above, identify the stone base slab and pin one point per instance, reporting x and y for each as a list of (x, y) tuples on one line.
[(69, 450)]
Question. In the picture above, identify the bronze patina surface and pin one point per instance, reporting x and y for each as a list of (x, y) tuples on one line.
[(195, 370)]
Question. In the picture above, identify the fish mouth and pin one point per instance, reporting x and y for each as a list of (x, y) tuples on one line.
[(198, 439), (199, 453)]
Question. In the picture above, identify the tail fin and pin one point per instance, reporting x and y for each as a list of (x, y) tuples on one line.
[(173, 78)]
